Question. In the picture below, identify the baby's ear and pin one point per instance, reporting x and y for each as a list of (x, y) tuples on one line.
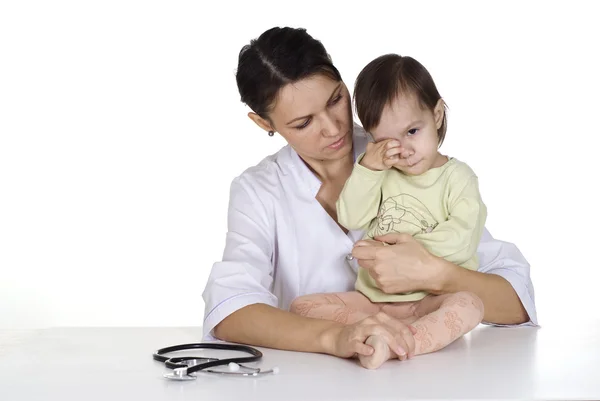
[(438, 113)]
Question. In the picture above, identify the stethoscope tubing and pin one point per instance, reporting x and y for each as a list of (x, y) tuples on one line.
[(177, 362)]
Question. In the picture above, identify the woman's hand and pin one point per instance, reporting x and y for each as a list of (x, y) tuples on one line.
[(347, 341), (404, 265)]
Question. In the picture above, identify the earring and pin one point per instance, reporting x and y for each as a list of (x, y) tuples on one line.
[(271, 133)]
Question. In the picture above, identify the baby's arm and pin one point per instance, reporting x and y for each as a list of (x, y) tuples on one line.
[(360, 198), (457, 238)]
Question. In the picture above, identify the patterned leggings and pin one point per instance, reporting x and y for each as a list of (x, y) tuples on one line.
[(438, 319)]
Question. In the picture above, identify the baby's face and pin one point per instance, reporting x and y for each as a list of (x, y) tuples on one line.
[(416, 130)]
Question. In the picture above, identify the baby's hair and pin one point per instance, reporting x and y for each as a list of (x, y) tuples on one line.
[(388, 76)]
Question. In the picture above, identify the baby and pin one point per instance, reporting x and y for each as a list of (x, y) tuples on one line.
[(403, 184), (432, 197)]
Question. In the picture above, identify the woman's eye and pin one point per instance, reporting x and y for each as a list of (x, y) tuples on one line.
[(336, 99), (304, 125)]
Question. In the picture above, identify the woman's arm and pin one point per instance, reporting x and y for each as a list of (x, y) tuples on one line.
[(267, 326), (244, 276), (501, 303), (406, 266), (239, 304)]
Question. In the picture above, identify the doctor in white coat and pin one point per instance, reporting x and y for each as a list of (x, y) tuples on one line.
[(283, 239)]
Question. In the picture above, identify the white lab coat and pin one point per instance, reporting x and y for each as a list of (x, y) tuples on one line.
[(281, 243)]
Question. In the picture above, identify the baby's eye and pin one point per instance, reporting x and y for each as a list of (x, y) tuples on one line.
[(412, 131)]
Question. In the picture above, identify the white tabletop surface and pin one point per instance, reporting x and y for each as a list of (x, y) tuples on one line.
[(552, 362)]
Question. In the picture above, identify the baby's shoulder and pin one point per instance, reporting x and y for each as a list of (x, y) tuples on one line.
[(458, 170)]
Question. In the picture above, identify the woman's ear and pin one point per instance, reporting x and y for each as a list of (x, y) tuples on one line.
[(261, 122), (438, 113)]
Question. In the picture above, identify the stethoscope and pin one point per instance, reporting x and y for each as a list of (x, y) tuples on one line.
[(184, 366)]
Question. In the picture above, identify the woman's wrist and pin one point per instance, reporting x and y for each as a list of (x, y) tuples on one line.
[(329, 337), (442, 275)]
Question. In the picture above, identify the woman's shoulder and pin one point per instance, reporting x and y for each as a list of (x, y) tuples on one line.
[(268, 173)]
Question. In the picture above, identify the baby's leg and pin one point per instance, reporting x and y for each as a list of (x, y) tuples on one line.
[(346, 308), (444, 318), (342, 307)]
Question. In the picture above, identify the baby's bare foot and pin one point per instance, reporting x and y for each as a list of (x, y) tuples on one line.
[(380, 354)]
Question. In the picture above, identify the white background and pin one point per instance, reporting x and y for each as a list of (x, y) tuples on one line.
[(121, 129)]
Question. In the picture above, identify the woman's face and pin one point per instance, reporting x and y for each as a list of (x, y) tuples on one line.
[(314, 116)]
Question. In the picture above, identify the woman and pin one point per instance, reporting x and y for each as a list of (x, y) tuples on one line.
[(283, 239)]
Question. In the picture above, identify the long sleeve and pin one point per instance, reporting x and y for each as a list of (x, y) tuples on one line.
[(457, 238), (245, 274), (506, 260), (360, 198)]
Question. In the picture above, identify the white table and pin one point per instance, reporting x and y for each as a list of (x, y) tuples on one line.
[(552, 362)]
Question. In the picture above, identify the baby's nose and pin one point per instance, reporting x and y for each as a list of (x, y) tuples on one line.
[(406, 153)]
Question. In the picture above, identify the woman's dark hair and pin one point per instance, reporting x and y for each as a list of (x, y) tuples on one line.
[(276, 58), (388, 76)]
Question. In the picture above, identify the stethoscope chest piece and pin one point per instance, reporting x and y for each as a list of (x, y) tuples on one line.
[(179, 374)]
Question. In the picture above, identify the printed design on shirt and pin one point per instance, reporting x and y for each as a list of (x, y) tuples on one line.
[(404, 214)]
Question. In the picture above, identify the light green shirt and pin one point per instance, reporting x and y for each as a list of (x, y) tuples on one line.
[(441, 208)]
